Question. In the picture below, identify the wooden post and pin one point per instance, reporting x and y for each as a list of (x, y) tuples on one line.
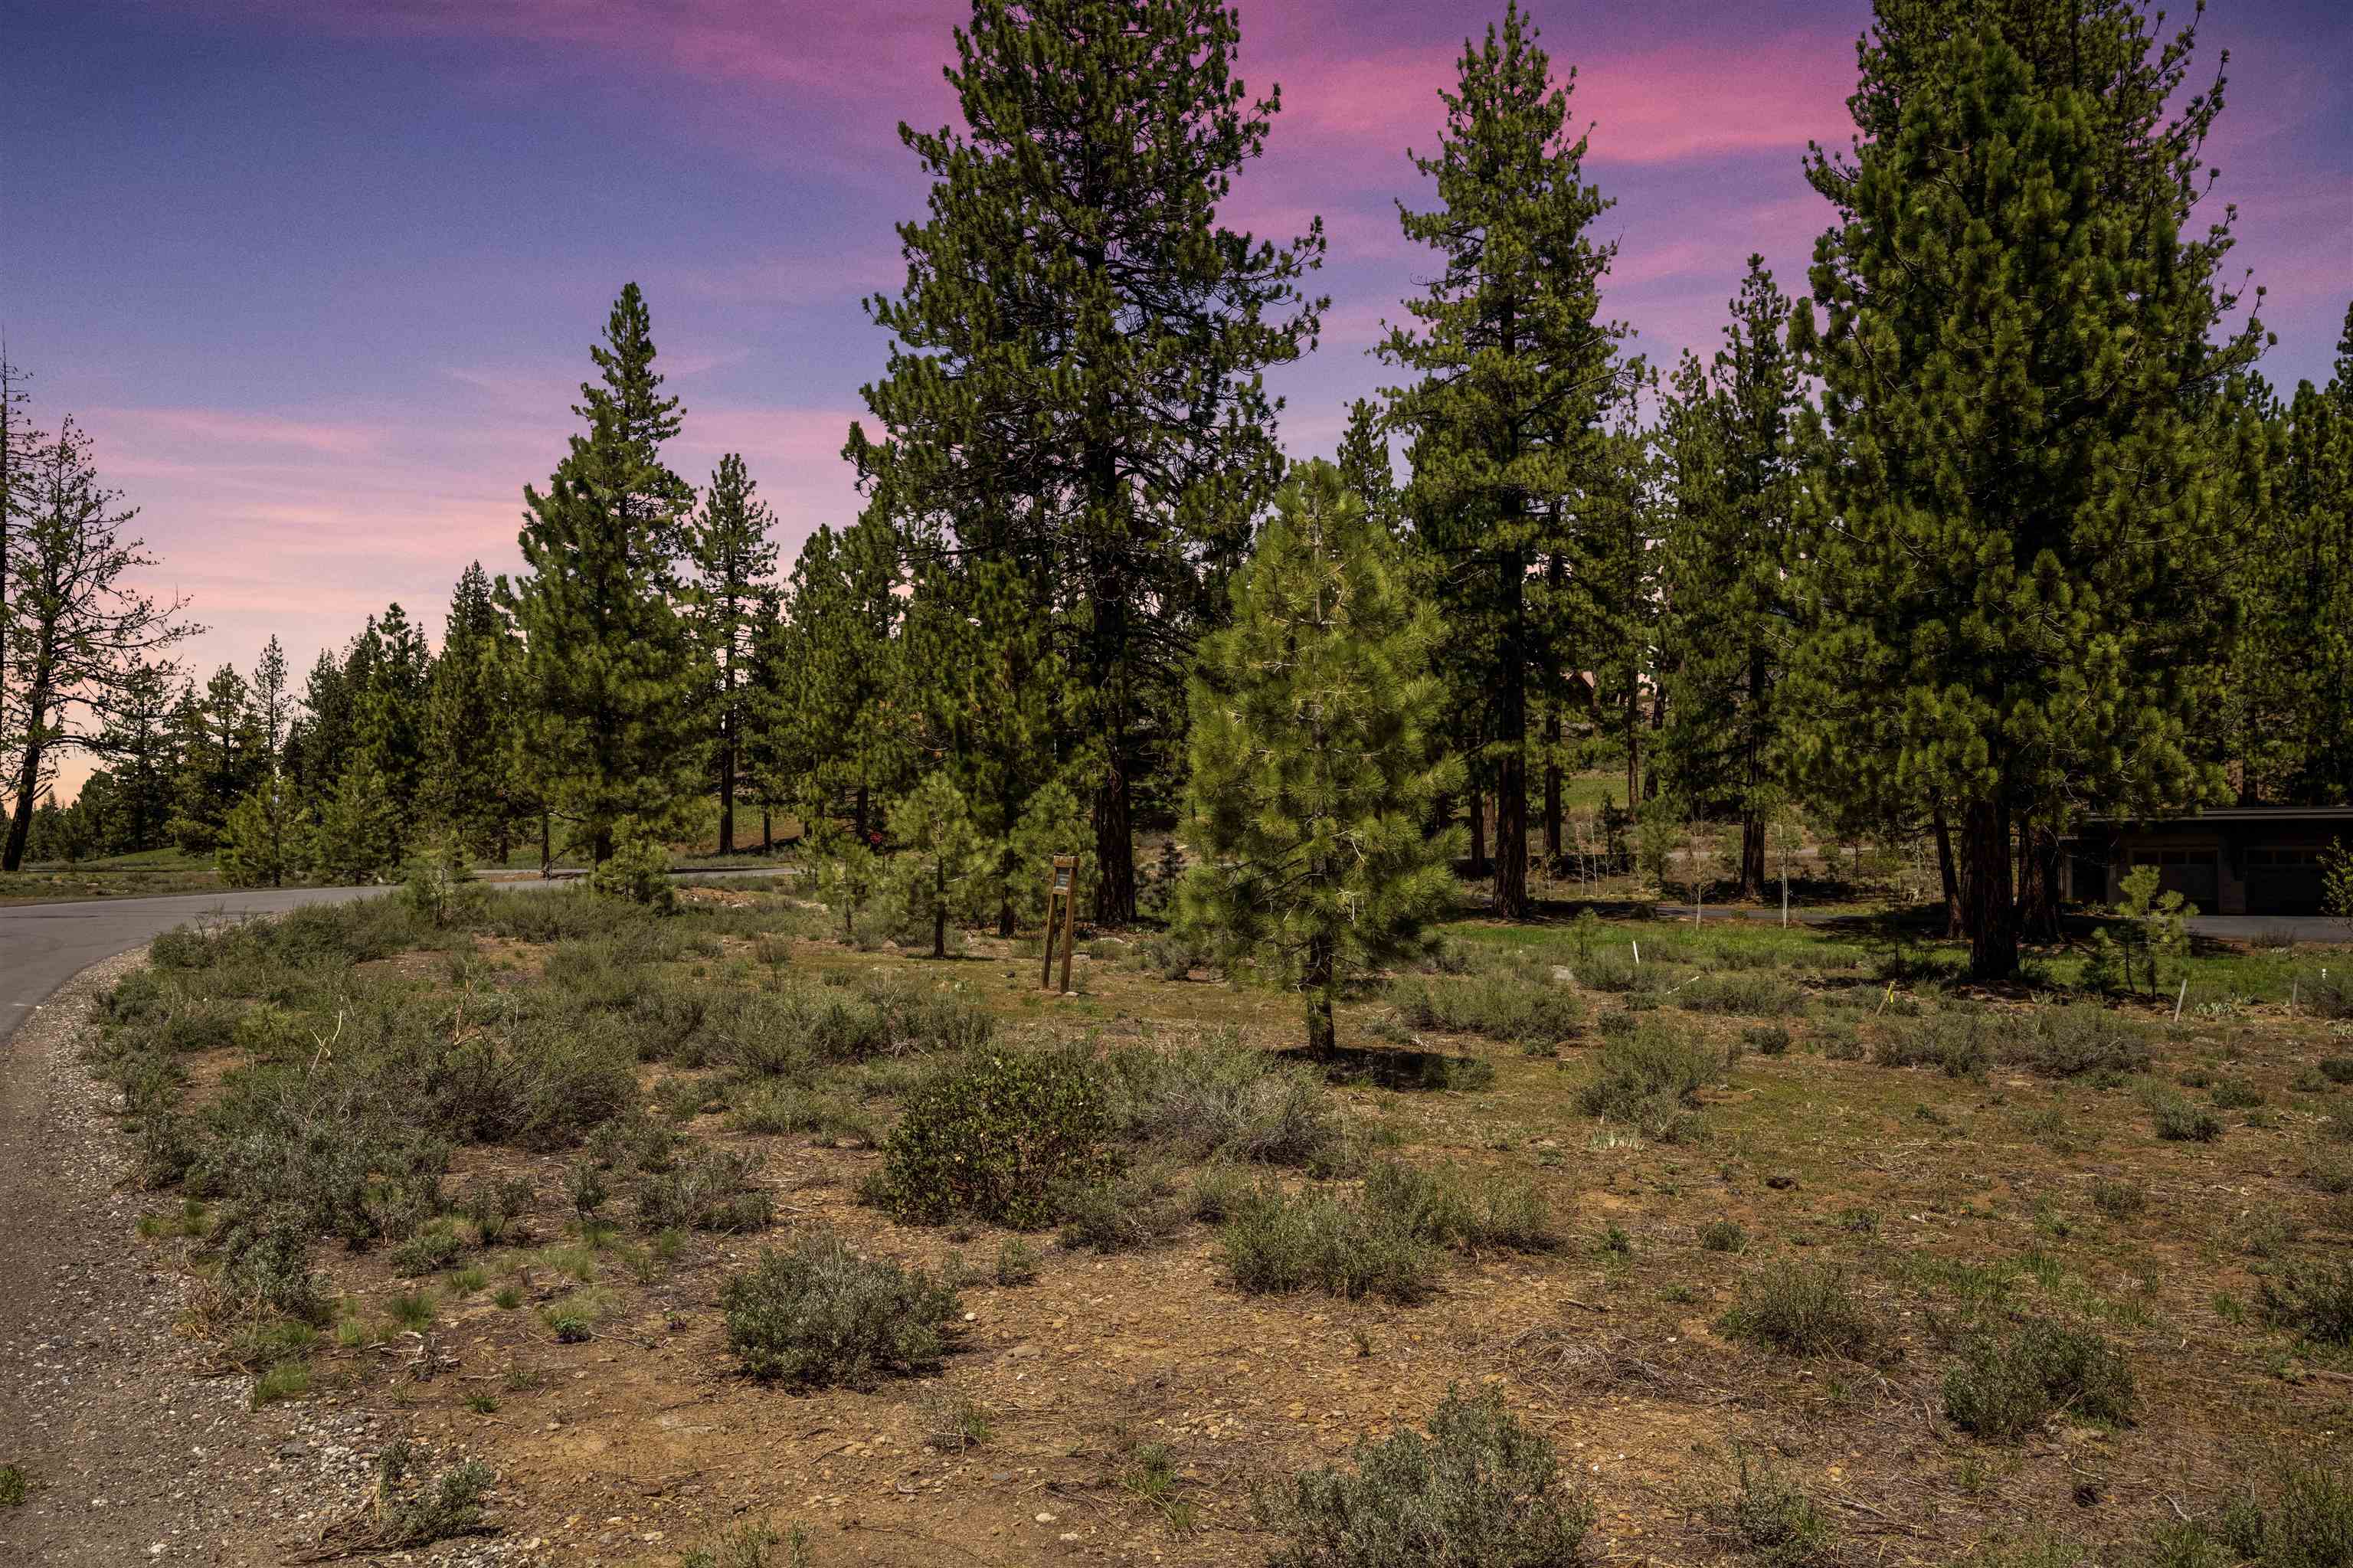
[(1062, 917)]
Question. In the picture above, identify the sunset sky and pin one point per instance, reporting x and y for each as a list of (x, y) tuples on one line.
[(320, 275)]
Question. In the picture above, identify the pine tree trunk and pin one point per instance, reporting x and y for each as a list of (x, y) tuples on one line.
[(1552, 788), (1511, 767), (858, 815), (767, 830), (1987, 900), (940, 909), (727, 789), (1955, 922), (20, 821), (1478, 801), (1317, 981), (547, 844), (1633, 740), (2038, 882), (1115, 851), (1752, 855)]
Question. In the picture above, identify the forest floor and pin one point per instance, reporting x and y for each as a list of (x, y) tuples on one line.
[(2176, 1190)]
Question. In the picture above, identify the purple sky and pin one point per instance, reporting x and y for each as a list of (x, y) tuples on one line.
[(321, 275)]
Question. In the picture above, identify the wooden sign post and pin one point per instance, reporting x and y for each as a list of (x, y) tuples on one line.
[(1062, 915)]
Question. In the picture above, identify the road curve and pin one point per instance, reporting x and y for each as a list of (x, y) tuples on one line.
[(42, 946)]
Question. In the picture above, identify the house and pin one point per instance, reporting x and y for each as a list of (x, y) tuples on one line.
[(2227, 860)]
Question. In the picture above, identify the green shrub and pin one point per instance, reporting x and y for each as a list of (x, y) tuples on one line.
[(1724, 1235), (1275, 1246), (1503, 1007), (1804, 1310), (818, 1314), (1221, 1100), (2315, 1299), (713, 1191), (14, 1486), (1651, 1078), (1132, 1210), (1959, 1044), (1016, 1263), (2009, 1383), (2236, 1095), (636, 872), (2305, 1522), (2071, 1040), (2117, 1200), (496, 1209), (1746, 995), (449, 1505), (427, 1254), (1447, 1209), (1766, 1039), (2336, 1069), (1772, 1521), (2179, 1121), (1004, 1138), (1481, 1491)]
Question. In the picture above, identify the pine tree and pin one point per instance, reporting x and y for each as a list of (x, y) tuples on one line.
[(2293, 679), (358, 836), (1729, 556), (221, 758), (734, 565), (467, 734), (1365, 469), (1075, 382), (273, 704), (842, 727), (1313, 756), (1518, 375), (994, 698), (938, 847), (81, 635), (394, 674), (2016, 594), (610, 675)]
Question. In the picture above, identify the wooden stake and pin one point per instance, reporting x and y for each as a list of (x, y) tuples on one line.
[(1062, 900)]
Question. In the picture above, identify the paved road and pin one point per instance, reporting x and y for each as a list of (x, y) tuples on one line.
[(42, 946)]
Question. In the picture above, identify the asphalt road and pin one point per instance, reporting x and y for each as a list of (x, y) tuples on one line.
[(42, 946)]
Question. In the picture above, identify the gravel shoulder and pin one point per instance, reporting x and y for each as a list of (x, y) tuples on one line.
[(134, 1448)]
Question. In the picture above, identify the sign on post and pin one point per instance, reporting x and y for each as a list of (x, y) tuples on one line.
[(1061, 918)]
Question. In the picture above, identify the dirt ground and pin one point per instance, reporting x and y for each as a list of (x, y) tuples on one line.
[(1938, 1194)]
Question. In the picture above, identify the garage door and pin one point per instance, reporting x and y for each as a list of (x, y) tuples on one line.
[(2284, 879), (2188, 872)]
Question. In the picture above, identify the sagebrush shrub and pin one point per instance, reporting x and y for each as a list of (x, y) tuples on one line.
[(1135, 1209), (1448, 1209), (818, 1314), (2010, 1382), (1523, 1012), (1275, 1246), (1745, 994), (2316, 1300), (1221, 1100), (1651, 1078), (1003, 1137), (1772, 1521), (1804, 1310), (712, 1191), (1480, 1492)]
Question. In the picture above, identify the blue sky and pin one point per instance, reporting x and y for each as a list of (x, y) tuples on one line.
[(320, 275)]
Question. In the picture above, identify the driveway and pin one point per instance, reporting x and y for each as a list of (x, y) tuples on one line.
[(2218, 928)]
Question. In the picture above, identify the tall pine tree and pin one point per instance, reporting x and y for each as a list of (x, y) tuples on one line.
[(1517, 373), (2016, 597), (1729, 556), (610, 676), (734, 565), (469, 752), (1075, 381)]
